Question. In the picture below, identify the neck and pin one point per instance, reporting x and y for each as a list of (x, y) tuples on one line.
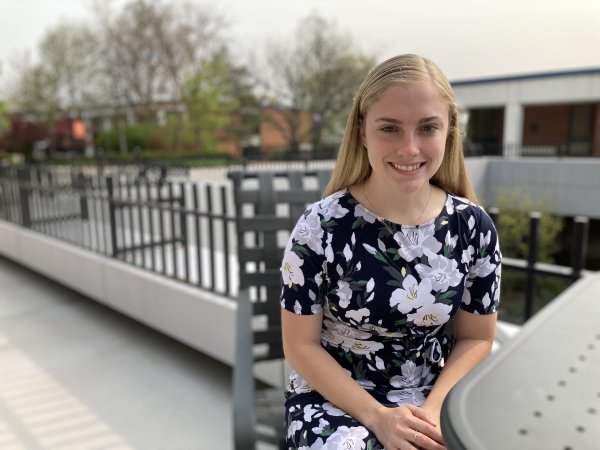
[(410, 208)]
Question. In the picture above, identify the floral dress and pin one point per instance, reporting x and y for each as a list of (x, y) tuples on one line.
[(387, 292)]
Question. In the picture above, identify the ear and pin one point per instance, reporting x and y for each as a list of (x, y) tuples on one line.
[(363, 138)]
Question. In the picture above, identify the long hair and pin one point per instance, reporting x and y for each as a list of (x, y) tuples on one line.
[(352, 165)]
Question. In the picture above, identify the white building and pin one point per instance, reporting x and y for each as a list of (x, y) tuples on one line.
[(542, 114)]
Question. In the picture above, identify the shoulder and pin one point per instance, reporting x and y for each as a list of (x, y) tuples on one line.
[(335, 205), (468, 210)]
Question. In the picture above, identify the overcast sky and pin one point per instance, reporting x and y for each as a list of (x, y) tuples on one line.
[(466, 38)]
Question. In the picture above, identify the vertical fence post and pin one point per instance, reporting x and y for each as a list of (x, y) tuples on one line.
[(581, 231), (83, 205), (24, 178), (111, 217), (534, 226)]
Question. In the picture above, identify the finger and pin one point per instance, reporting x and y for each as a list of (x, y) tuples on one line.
[(433, 433), (422, 414), (422, 441)]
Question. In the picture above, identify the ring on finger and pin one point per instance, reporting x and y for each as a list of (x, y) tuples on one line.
[(415, 437)]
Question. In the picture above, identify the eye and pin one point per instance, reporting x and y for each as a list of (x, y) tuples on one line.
[(389, 129), (429, 128)]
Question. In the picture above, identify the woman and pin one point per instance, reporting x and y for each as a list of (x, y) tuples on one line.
[(374, 272)]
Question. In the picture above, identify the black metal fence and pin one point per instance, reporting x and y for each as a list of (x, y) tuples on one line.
[(181, 230)]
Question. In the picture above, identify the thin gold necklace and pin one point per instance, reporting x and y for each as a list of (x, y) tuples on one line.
[(420, 215)]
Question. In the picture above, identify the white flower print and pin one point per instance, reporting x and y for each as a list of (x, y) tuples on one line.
[(431, 314), (358, 315), (328, 249), (294, 426), (298, 384), (450, 241), (366, 384), (315, 308), (372, 250), (449, 205), (297, 307), (412, 294), (349, 338), (443, 272), (330, 207), (344, 293), (486, 300), (471, 222), (403, 396), (341, 329), (309, 232), (413, 241), (482, 268), (345, 438), (361, 211), (466, 300), (322, 425), (467, 254), (484, 241), (411, 376), (332, 410), (347, 252), (290, 269), (309, 412)]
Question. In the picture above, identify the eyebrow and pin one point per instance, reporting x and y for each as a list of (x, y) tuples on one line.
[(396, 121)]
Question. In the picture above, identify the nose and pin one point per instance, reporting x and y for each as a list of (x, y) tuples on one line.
[(408, 145)]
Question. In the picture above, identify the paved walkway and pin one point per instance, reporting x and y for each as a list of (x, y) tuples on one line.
[(76, 375)]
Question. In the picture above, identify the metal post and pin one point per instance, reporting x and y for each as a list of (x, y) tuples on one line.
[(24, 192), (111, 217), (211, 235), (534, 225), (581, 231)]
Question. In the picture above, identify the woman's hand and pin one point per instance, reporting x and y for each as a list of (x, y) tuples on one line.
[(407, 427)]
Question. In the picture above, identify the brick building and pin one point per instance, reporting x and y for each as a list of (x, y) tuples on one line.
[(542, 114)]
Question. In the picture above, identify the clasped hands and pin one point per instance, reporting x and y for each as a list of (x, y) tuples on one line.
[(407, 427)]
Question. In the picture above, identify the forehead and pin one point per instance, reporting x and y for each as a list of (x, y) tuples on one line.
[(413, 99)]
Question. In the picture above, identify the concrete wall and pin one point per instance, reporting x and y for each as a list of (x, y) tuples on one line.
[(569, 185), (197, 318)]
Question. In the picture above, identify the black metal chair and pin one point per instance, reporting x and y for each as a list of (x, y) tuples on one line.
[(267, 205)]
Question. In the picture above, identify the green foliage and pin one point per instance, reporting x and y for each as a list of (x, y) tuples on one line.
[(513, 225), (142, 135), (209, 97), (513, 229)]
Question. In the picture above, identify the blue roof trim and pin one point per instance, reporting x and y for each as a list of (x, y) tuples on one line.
[(562, 73)]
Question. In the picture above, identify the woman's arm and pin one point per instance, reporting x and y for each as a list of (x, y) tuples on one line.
[(394, 427), (474, 336)]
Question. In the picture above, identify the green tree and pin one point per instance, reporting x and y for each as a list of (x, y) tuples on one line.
[(209, 98), (318, 72), (64, 79)]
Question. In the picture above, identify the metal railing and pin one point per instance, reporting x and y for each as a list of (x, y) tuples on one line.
[(182, 230)]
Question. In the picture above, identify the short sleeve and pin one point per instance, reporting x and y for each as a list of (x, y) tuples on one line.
[(303, 266), (482, 283)]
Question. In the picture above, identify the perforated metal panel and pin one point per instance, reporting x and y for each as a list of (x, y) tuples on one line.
[(542, 389)]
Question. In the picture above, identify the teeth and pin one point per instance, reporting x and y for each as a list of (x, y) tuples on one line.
[(406, 168)]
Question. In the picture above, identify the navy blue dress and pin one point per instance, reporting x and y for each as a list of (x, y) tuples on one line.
[(387, 292)]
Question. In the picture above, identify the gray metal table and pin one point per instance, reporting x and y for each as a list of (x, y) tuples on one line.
[(541, 390)]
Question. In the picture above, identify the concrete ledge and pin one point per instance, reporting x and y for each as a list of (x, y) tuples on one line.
[(200, 319)]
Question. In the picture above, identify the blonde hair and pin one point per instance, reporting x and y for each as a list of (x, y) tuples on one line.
[(352, 165)]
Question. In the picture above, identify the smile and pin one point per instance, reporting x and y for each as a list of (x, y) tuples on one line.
[(405, 168)]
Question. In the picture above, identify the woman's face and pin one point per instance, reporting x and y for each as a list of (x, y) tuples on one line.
[(405, 132)]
